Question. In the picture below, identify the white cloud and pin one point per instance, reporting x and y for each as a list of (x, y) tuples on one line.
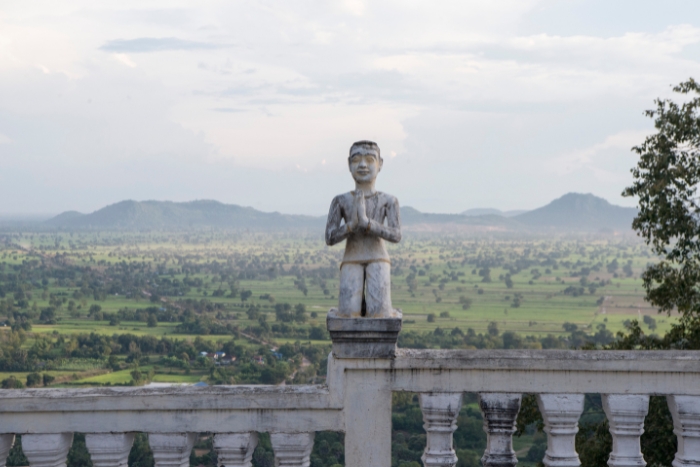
[(124, 59), (590, 158), (268, 87)]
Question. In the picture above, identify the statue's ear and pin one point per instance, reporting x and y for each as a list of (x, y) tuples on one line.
[(381, 163)]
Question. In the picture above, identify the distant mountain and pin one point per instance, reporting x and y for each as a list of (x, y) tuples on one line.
[(163, 215), (411, 216), (571, 212), (491, 212), (576, 211)]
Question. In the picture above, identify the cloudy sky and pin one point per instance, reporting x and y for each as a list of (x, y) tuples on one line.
[(474, 103)]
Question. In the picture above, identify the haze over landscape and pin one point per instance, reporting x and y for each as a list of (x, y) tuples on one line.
[(503, 104)]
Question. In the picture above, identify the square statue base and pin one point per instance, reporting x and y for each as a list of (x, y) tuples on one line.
[(364, 337)]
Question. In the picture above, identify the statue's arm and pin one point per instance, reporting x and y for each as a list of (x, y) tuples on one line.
[(335, 232), (392, 231)]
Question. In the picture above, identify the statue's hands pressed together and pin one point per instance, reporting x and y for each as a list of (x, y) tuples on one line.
[(354, 221), (362, 219)]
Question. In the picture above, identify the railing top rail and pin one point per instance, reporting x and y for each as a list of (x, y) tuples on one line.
[(535, 360), (239, 397)]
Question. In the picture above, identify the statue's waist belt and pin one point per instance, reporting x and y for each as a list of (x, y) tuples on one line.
[(365, 262)]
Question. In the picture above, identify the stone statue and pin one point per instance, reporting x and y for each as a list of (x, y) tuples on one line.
[(359, 218)]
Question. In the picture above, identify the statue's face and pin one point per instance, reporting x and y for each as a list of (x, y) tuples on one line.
[(365, 167)]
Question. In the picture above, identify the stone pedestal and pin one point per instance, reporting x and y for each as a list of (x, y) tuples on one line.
[(364, 337)]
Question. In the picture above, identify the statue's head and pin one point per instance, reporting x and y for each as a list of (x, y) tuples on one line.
[(365, 161)]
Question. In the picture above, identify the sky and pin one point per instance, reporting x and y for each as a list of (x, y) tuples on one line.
[(506, 104)]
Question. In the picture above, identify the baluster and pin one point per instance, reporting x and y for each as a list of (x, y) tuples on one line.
[(626, 414), (171, 449), (6, 442), (440, 411), (47, 450), (235, 449), (500, 412), (109, 450), (561, 413), (292, 449), (686, 426)]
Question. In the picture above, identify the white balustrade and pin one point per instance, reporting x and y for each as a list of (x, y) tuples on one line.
[(686, 425), (500, 414), (292, 449), (440, 412), (561, 413), (171, 449), (626, 414), (235, 449), (47, 450), (6, 442), (357, 401), (108, 449)]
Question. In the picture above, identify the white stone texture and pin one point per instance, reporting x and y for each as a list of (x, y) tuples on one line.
[(686, 426), (6, 442), (109, 450), (626, 414), (171, 449), (235, 449), (47, 450), (292, 449), (440, 412), (561, 413), (367, 402), (500, 413)]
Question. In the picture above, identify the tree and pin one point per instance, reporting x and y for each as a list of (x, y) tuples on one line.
[(47, 379), (666, 181), (33, 379), (465, 301), (492, 329), (152, 320)]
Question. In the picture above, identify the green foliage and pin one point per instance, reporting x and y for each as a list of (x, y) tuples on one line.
[(33, 379), (666, 180), (78, 456), (141, 454)]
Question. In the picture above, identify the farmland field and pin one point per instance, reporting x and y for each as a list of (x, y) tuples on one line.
[(246, 287)]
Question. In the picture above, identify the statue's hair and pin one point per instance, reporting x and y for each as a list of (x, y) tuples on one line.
[(364, 147)]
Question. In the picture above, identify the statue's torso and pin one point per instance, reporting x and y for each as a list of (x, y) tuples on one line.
[(360, 248)]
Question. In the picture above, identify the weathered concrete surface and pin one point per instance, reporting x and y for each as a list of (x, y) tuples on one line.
[(47, 450), (500, 412), (109, 450), (367, 419), (292, 449), (535, 371), (440, 412), (686, 425), (171, 449), (362, 337), (235, 449), (626, 413), (357, 401), (561, 413), (6, 442)]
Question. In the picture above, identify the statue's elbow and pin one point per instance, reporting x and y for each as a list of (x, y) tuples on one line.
[(397, 237)]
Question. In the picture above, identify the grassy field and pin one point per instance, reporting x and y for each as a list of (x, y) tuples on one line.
[(542, 306)]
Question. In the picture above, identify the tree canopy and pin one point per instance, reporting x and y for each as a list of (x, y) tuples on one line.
[(666, 180)]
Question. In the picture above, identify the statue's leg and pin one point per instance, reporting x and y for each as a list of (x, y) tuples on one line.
[(378, 290), (352, 278)]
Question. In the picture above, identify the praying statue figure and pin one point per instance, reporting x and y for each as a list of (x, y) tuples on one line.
[(359, 217)]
